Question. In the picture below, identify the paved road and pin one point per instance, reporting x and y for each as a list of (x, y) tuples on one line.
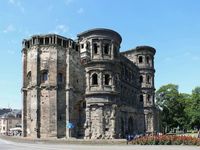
[(7, 145)]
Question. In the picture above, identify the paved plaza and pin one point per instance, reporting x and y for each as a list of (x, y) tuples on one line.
[(8, 145)]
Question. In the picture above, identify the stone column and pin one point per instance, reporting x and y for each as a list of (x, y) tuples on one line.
[(113, 82), (91, 49), (87, 81), (101, 126), (101, 81), (112, 51), (87, 124), (56, 38), (67, 92), (38, 92), (100, 49), (50, 40), (53, 37), (24, 93)]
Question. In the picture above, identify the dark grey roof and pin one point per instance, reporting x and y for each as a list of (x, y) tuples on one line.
[(101, 30), (15, 113), (4, 110)]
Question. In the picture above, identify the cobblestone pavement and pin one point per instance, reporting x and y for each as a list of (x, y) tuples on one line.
[(8, 145)]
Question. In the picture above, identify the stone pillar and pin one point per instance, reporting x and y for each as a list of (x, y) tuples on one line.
[(101, 126), (53, 37), (53, 92), (100, 49), (87, 124), (56, 38), (24, 93), (50, 40), (112, 51), (91, 49), (87, 81), (35, 91), (61, 42), (113, 82), (101, 81)]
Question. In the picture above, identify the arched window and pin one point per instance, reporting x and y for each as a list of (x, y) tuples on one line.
[(94, 79), (106, 49), (95, 48), (47, 40), (87, 45), (29, 77), (107, 79), (148, 98), (122, 128), (148, 79), (141, 98), (140, 59), (44, 76), (84, 104), (130, 125), (60, 77), (141, 79)]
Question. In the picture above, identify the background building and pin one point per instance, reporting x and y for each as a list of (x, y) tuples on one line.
[(87, 88), (9, 120)]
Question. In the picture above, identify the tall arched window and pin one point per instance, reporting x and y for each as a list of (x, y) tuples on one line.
[(95, 48), (141, 98), (130, 125), (141, 79), (94, 79), (44, 76), (29, 77), (122, 128), (107, 79), (148, 79), (140, 59), (106, 49), (148, 98), (60, 77)]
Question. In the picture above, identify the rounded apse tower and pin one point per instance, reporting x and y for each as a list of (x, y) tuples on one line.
[(144, 59), (99, 52)]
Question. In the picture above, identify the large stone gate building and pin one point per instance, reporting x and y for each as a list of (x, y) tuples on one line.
[(86, 88)]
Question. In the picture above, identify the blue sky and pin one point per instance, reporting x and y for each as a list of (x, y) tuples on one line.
[(171, 26)]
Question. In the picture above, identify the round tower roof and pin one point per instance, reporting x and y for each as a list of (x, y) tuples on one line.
[(101, 31), (145, 48)]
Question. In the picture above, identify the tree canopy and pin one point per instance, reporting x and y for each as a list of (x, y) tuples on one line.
[(178, 109)]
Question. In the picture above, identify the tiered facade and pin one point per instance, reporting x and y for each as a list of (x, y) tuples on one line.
[(87, 88)]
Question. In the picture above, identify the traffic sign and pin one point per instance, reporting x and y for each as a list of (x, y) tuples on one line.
[(70, 125)]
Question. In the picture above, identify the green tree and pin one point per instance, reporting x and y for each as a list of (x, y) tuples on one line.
[(193, 108), (172, 107)]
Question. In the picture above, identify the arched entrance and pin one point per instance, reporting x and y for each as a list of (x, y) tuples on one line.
[(122, 128), (130, 125)]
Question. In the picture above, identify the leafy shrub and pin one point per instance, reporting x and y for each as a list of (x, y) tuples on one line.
[(166, 140)]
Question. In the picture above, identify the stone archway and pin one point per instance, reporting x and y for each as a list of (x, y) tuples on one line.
[(122, 128), (130, 125)]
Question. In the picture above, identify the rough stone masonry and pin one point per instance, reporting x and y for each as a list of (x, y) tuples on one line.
[(87, 88)]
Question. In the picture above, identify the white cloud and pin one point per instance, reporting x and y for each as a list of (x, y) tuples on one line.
[(11, 52), (195, 58), (67, 2), (167, 59), (18, 4), (80, 11), (61, 29), (50, 7), (9, 28)]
